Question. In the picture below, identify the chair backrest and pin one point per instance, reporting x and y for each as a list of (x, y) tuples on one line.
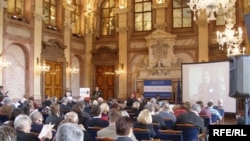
[(207, 121), (156, 127), (190, 132), (104, 139), (169, 123), (142, 134), (170, 135), (93, 132), (214, 119)]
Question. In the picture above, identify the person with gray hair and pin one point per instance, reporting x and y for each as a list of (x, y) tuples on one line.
[(22, 124), (7, 106), (192, 117), (69, 132)]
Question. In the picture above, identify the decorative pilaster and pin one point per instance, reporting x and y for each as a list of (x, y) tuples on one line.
[(123, 56), (2, 6), (67, 34), (160, 15), (203, 49)]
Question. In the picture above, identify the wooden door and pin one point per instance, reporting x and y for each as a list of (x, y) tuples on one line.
[(105, 80), (54, 79)]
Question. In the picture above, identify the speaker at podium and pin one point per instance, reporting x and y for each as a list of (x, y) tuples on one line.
[(239, 76)]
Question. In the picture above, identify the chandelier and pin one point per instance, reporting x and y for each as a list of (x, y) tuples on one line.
[(74, 70), (231, 39), (211, 7), (4, 63)]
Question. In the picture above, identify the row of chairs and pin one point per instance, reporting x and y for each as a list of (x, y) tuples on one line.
[(183, 132)]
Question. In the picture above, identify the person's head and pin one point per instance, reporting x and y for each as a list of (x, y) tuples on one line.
[(23, 123), (100, 100), (55, 109), (14, 113), (7, 133), (78, 109), (114, 114), (7, 101), (210, 104), (69, 132), (36, 117), (95, 111), (64, 100), (150, 107), (220, 102), (104, 107), (124, 126), (136, 105), (196, 107), (200, 103), (145, 117), (71, 116)]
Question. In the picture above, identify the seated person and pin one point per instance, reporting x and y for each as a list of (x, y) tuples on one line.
[(96, 120), (124, 129), (182, 108), (144, 121), (110, 131), (192, 117), (69, 132), (204, 110), (213, 111), (7, 133)]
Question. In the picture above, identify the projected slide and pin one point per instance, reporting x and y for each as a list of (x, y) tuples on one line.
[(207, 82)]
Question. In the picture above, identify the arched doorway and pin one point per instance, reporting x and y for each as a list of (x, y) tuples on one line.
[(53, 81), (105, 62)]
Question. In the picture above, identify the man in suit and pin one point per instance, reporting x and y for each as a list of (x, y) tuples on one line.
[(110, 131), (192, 117), (96, 120), (97, 93)]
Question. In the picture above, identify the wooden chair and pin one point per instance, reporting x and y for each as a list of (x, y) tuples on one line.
[(207, 122), (142, 134), (190, 132), (104, 139), (170, 135), (169, 123), (214, 120), (93, 132)]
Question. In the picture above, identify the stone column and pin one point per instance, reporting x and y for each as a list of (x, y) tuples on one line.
[(38, 18), (160, 15), (67, 36), (123, 56), (88, 47), (203, 49)]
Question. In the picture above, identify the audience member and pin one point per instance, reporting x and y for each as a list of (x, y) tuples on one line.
[(136, 109), (12, 116), (64, 108), (7, 133), (156, 118), (105, 110), (54, 116), (204, 110), (35, 105), (144, 121), (182, 108), (96, 120), (192, 117), (124, 129), (69, 132), (78, 109), (27, 107), (166, 111), (213, 111), (7, 106), (22, 125), (110, 131), (72, 117)]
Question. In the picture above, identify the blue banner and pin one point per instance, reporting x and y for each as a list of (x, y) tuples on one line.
[(163, 88)]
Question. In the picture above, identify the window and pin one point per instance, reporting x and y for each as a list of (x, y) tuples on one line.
[(108, 19), (143, 15), (76, 18), (221, 16), (16, 7), (49, 10), (182, 16)]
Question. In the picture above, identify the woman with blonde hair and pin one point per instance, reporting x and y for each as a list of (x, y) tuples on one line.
[(105, 110), (144, 121)]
